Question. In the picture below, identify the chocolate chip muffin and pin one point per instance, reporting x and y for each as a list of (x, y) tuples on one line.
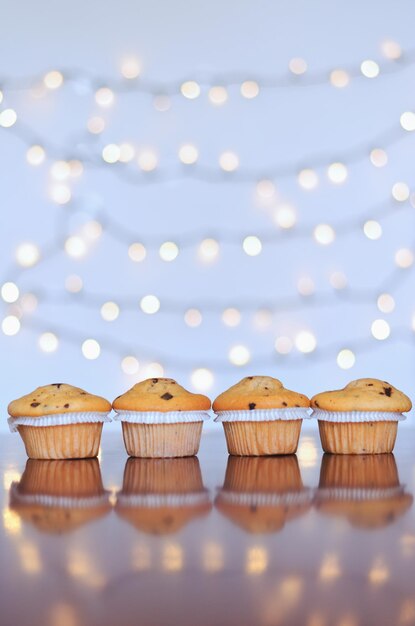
[(160, 418)]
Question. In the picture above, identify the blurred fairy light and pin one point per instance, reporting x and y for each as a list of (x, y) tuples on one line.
[(252, 245), (73, 283), (212, 558), (53, 79), (285, 216), (265, 188), (147, 160), (190, 89), (249, 89), (218, 95), (92, 230), (1, 96), (385, 303), (27, 254), (8, 118), (91, 349), (400, 192), (337, 173), (404, 258), (239, 355), (172, 558), (60, 193), (193, 318), (104, 97), (231, 317), (391, 50), (339, 78), (369, 68), (111, 153), (168, 251), (338, 280), (305, 286), (324, 234), (407, 120), (297, 66), (28, 302), (150, 304), (378, 573), (346, 359), (372, 229), (130, 68), (127, 152), (96, 125), (262, 320), (229, 161), (137, 252), (10, 325), (110, 311), (307, 179), (9, 292), (35, 155), (60, 170), (208, 250), (162, 103), (48, 342), (380, 329), (283, 345), (188, 154), (330, 568), (130, 365), (75, 247), (152, 370), (256, 560), (378, 157), (305, 342), (202, 379)]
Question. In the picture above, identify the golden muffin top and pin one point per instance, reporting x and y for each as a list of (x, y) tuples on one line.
[(364, 394), (57, 398), (259, 392), (160, 394)]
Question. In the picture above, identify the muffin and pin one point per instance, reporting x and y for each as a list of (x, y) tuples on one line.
[(161, 419), (261, 494), (59, 421), (60, 496), (261, 417), (361, 418), (365, 490), (160, 496)]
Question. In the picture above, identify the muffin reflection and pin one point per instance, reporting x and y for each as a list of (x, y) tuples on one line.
[(261, 494), (161, 496), (365, 490), (59, 496)]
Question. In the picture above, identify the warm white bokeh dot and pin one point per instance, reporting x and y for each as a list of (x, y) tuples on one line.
[(53, 79), (130, 68), (307, 179), (48, 342), (193, 318), (91, 349), (218, 95), (391, 49), (346, 359), (378, 157), (239, 355), (137, 252), (147, 160), (305, 286), (104, 97), (337, 173), (190, 89), (369, 68), (372, 229), (231, 317), (283, 345), (110, 311), (10, 325), (168, 251), (229, 161), (249, 89), (188, 154), (380, 329), (285, 216), (9, 292), (338, 280), (305, 341), (27, 254), (8, 118), (208, 250), (252, 245), (297, 66), (60, 193), (130, 365), (111, 153), (339, 78), (404, 258), (400, 192), (324, 234), (150, 304), (73, 283), (407, 120), (76, 247), (386, 303), (35, 155), (202, 379)]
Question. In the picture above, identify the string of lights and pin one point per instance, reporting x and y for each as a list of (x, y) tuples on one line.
[(249, 84)]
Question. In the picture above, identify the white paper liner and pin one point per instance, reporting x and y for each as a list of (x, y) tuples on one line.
[(263, 415), (159, 417), (64, 502), (157, 500), (357, 416), (289, 498), (358, 494), (59, 419)]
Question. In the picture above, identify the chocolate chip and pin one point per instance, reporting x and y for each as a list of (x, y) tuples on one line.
[(166, 396), (252, 405), (83, 393), (388, 391), (66, 406), (284, 404), (35, 404), (316, 403), (155, 380), (58, 385), (370, 384), (381, 393), (297, 405), (249, 377)]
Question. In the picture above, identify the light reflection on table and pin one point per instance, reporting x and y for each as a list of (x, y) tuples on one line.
[(302, 540)]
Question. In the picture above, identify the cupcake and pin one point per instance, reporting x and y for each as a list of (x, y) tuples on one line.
[(161, 419), (365, 490), (261, 494), (60, 496), (261, 417), (59, 421), (160, 496), (362, 418)]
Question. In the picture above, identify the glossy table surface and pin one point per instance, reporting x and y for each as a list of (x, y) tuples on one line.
[(302, 540)]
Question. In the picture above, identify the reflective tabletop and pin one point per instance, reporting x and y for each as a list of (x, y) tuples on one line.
[(307, 539)]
